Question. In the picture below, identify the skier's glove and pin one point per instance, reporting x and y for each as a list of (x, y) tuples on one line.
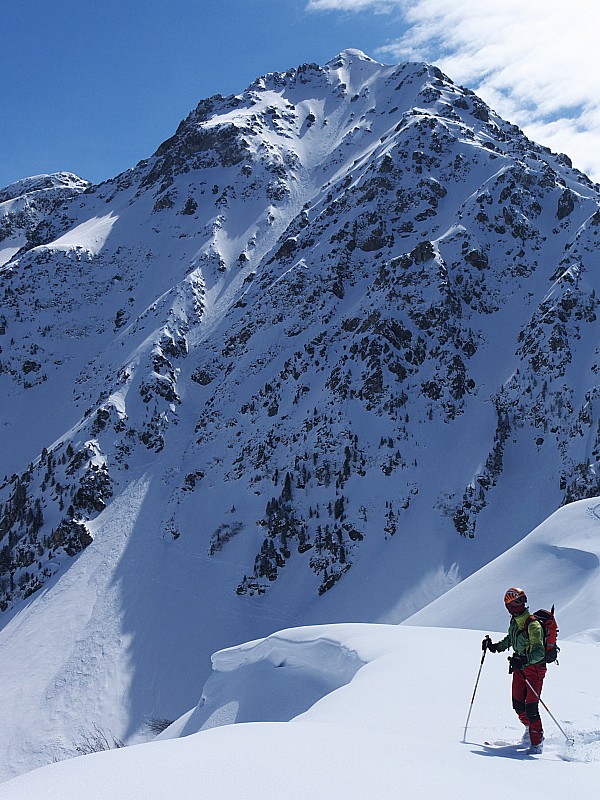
[(517, 662), (487, 644)]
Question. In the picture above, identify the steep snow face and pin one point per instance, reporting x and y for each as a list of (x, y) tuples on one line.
[(558, 564), (90, 236), (341, 327)]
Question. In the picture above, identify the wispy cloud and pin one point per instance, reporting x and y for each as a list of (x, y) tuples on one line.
[(536, 62)]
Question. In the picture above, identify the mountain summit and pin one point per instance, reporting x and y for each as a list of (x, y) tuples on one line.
[(328, 351)]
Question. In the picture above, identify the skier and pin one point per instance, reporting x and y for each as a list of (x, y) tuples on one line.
[(527, 662)]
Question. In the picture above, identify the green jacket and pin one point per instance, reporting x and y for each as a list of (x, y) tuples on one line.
[(530, 644)]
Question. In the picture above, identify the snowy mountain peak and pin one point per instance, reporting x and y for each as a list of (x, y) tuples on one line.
[(403, 219), (31, 210), (351, 54), (352, 69), (349, 57), (36, 183), (335, 334)]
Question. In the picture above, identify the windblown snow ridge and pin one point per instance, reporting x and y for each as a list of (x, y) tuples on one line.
[(272, 679)]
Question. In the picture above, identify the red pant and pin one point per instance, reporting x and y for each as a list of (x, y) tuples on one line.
[(526, 702)]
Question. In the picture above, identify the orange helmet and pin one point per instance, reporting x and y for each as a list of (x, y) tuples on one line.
[(515, 595)]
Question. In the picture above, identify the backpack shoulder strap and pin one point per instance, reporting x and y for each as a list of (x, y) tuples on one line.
[(531, 618)]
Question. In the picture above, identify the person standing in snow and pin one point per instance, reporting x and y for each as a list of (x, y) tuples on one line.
[(528, 662)]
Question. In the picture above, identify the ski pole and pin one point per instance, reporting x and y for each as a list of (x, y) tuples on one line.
[(474, 690), (568, 738)]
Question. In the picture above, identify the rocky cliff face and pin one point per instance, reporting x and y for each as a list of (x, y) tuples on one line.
[(348, 306)]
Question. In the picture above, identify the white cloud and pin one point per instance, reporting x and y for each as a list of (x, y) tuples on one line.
[(536, 62)]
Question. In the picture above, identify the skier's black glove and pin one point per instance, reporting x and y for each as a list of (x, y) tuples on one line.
[(487, 644), (517, 662)]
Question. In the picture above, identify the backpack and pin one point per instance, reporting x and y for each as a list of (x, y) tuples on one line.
[(550, 630)]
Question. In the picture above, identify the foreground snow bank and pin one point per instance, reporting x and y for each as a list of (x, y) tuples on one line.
[(272, 679), (395, 730)]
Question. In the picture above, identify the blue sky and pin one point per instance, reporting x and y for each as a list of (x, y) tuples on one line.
[(93, 87)]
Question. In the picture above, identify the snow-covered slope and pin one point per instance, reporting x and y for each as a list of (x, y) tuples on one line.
[(557, 564), (397, 729), (358, 710), (329, 351)]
